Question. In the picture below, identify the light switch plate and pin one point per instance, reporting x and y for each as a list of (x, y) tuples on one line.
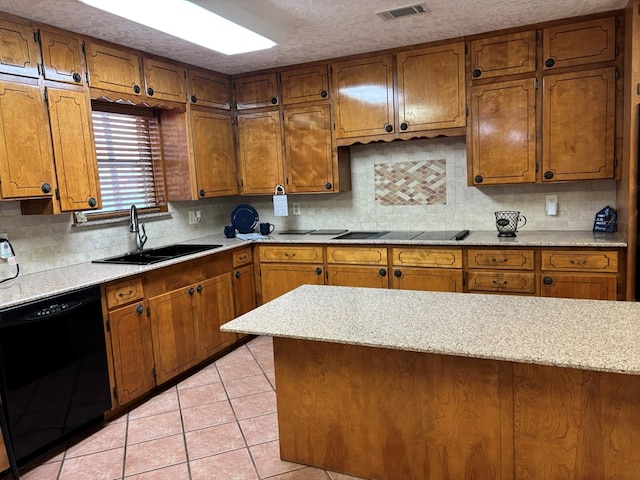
[(551, 205)]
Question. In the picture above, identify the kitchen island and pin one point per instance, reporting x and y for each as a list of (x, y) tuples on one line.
[(397, 384)]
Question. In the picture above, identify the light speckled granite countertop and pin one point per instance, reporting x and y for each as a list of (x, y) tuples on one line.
[(585, 334), (35, 286)]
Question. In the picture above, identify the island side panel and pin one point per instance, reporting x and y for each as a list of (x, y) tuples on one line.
[(575, 424), (379, 413)]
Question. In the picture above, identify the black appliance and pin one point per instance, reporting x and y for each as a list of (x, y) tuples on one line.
[(53, 370), (443, 235)]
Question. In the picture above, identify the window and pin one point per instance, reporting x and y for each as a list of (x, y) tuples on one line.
[(127, 143)]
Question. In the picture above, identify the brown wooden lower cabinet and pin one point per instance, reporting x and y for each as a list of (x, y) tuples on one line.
[(278, 279), (397, 415), (357, 276)]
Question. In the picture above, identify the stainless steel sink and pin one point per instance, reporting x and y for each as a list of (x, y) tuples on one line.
[(155, 255)]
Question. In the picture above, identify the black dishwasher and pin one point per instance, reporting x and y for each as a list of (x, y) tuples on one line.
[(53, 369)]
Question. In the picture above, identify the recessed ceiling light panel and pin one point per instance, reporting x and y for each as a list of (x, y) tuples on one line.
[(403, 12)]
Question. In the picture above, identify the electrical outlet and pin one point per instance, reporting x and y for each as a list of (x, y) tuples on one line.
[(296, 209), (194, 216), (551, 205)]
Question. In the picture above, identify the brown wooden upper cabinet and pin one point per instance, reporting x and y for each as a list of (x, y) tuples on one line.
[(363, 97), (503, 55), (165, 81), (208, 89), (62, 57), (430, 93), (256, 91), (580, 43), (20, 53), (113, 69), (304, 85)]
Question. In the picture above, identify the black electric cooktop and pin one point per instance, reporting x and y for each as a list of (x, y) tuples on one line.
[(443, 235)]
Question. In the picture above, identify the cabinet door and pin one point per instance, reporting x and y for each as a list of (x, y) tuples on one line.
[(579, 43), (356, 276), (209, 90), (427, 279), (19, 50), (215, 297), (309, 157), (278, 278), (130, 334), (166, 81), (578, 125), (173, 320), (583, 286), (260, 151), (503, 55), (73, 147), (62, 57), (304, 85), (431, 88), (363, 97), (214, 153), (113, 69), (257, 91), (503, 133), (244, 290), (26, 158)]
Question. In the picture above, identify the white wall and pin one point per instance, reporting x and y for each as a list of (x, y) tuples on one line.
[(46, 242)]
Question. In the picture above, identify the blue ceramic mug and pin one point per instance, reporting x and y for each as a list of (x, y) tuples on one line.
[(266, 228), (229, 231)]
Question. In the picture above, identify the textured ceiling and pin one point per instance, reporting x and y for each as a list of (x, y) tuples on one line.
[(314, 29)]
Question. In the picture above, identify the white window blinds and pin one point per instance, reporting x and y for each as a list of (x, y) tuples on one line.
[(127, 150)]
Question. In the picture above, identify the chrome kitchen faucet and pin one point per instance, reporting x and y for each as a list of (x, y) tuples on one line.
[(137, 228)]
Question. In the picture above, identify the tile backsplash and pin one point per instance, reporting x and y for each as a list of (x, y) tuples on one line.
[(46, 242)]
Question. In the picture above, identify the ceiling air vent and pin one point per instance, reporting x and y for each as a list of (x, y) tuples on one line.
[(402, 12)]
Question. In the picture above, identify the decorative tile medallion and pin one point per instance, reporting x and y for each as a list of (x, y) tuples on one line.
[(411, 183)]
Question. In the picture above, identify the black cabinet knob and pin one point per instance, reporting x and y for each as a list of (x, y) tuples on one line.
[(237, 274), (388, 128), (478, 178), (76, 77), (202, 192), (382, 272), (274, 101), (139, 309), (199, 288), (476, 73), (328, 186), (318, 271), (549, 62), (136, 89), (191, 292), (194, 99), (46, 188), (404, 126), (397, 273), (92, 202), (324, 93), (548, 174), (150, 91), (547, 280)]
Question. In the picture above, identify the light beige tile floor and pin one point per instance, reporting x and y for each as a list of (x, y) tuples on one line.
[(218, 424)]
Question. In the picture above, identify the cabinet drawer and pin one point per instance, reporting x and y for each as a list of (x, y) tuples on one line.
[(284, 253), (502, 282), (503, 55), (242, 257), (579, 43), (125, 292), (576, 261), (427, 257), (357, 255), (502, 259)]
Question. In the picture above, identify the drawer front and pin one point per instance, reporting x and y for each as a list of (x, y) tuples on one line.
[(580, 261), (242, 257), (125, 292), (502, 282), (428, 257), (503, 259), (284, 253), (357, 255)]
